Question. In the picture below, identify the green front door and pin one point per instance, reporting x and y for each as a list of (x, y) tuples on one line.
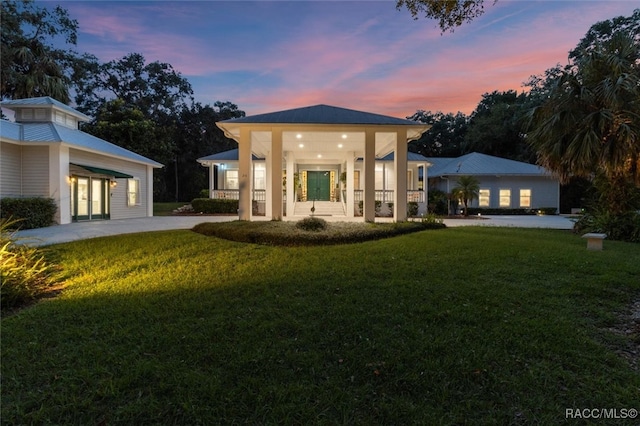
[(318, 186)]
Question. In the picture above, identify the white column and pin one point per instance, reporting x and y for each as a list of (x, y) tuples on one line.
[(59, 184), (244, 172), (149, 192), (269, 184), (369, 205), (276, 174), (400, 191), (291, 189), (350, 188)]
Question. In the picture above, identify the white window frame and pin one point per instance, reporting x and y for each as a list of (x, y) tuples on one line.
[(505, 193), (133, 192), (226, 179), (526, 197), (484, 197)]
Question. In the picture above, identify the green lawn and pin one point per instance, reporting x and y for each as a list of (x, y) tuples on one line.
[(165, 209), (456, 326)]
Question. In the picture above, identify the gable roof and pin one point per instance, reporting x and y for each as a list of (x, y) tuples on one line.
[(52, 132), (482, 164), (322, 114)]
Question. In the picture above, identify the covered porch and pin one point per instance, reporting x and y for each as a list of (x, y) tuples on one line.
[(325, 156)]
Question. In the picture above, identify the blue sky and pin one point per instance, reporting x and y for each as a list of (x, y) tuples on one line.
[(366, 55)]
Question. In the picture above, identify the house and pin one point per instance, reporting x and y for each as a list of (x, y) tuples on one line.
[(44, 154), (504, 184), (341, 162)]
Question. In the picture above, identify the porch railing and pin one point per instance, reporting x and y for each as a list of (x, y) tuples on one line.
[(385, 196)]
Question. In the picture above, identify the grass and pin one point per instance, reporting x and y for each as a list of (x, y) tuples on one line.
[(166, 209), (458, 326)]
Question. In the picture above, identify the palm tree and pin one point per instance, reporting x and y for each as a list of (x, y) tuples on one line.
[(589, 126), (467, 190)]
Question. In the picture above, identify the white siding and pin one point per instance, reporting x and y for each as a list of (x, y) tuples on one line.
[(119, 207), (35, 171), (10, 170)]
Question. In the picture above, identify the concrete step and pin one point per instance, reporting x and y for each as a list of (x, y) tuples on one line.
[(322, 208)]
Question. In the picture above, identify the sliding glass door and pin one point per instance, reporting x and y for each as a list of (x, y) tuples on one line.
[(90, 198)]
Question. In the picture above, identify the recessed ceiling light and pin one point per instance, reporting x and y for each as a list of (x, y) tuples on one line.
[(319, 155), (339, 145), (301, 145), (344, 136), (299, 136)]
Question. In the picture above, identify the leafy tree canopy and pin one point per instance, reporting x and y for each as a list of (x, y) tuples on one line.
[(450, 14), (604, 30), (444, 138), (31, 66)]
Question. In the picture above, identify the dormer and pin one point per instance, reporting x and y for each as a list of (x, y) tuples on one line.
[(45, 110)]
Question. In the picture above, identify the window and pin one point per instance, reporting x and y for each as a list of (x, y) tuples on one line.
[(483, 197), (133, 192), (231, 179), (259, 177), (525, 198), (505, 198)]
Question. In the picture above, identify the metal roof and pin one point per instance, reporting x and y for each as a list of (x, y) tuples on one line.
[(482, 164), (43, 101), (52, 132), (323, 114), (231, 155)]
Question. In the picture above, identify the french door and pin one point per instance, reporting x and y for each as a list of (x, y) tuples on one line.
[(90, 198)]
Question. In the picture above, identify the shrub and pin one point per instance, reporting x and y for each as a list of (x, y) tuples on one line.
[(621, 227), (28, 213), (432, 221), (412, 209), (312, 224), (25, 272), (473, 211), (214, 205)]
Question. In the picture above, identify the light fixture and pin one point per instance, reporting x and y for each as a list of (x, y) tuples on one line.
[(344, 136), (319, 155), (339, 145), (299, 136), (113, 183), (301, 145)]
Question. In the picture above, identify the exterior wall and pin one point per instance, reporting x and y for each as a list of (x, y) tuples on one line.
[(10, 170), (35, 171), (119, 207), (545, 191)]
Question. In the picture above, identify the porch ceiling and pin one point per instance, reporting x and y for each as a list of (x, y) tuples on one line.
[(322, 145)]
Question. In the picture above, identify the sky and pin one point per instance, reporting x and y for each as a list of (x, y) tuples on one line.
[(267, 56)]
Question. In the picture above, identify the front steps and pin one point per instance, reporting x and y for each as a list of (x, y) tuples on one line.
[(323, 208)]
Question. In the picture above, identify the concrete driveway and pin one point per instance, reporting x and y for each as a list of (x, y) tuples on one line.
[(85, 230)]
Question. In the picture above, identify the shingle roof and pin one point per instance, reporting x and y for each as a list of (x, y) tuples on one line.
[(43, 101), (52, 132), (323, 114), (482, 164)]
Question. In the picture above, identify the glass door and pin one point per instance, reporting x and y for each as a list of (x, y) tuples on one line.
[(82, 198), (90, 198)]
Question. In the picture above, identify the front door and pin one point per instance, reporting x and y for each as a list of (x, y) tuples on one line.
[(90, 198), (318, 186)]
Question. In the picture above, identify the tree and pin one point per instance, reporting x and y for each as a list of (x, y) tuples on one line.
[(199, 136), (155, 88), (444, 138), (466, 191), (496, 127), (590, 124), (449, 13), (31, 66), (603, 31)]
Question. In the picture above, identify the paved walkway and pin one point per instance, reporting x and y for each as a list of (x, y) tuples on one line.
[(85, 230)]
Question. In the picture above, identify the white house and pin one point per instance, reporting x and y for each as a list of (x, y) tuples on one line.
[(503, 183), (337, 158), (44, 154)]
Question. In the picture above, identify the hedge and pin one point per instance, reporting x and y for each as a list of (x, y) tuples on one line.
[(214, 205), (29, 213)]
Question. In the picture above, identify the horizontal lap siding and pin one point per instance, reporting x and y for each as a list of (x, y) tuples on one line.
[(10, 170), (35, 171), (544, 191), (119, 207)]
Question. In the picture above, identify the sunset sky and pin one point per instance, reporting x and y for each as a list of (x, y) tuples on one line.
[(271, 55)]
